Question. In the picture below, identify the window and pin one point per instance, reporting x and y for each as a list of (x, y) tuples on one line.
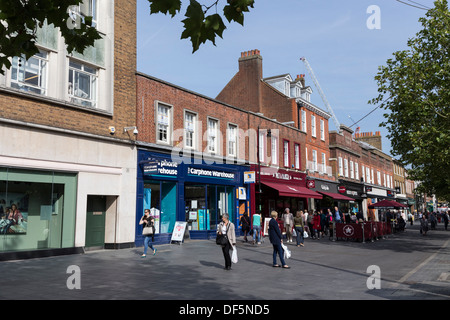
[(163, 123), (304, 120), (346, 168), (379, 177), (82, 84), (324, 163), (189, 130), (356, 171), (341, 169), (322, 130), (262, 145), (363, 174), (213, 128), (313, 125), (352, 172), (232, 140), (85, 9), (314, 160), (286, 153), (384, 179), (368, 175), (274, 146), (30, 75), (372, 178), (297, 156)]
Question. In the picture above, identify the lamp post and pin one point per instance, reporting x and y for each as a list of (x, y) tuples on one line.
[(268, 135)]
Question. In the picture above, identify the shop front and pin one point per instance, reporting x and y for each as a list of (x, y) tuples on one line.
[(354, 191), (277, 189), (332, 195), (197, 193), (373, 196)]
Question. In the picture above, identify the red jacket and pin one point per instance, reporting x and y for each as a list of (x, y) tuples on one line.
[(316, 222)]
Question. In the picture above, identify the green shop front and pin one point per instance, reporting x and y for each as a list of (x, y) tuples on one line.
[(193, 191), (37, 212)]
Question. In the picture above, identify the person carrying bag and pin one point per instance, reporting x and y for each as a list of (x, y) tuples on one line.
[(226, 238)]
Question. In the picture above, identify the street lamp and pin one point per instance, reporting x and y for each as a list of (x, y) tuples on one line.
[(268, 135)]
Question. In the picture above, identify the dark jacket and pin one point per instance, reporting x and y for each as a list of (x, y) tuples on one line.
[(274, 232)]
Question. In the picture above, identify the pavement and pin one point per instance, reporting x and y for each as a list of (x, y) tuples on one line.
[(410, 267)]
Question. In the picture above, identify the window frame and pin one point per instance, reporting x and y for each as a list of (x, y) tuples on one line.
[(42, 73), (286, 153)]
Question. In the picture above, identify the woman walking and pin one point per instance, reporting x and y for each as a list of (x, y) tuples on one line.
[(299, 226), (276, 240), (147, 221), (226, 227)]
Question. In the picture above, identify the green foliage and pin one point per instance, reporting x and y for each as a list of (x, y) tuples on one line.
[(198, 26), (20, 20), (414, 86)]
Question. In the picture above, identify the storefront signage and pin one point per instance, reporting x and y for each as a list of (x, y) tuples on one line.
[(249, 177), (178, 231), (342, 189), (310, 184), (161, 168), (210, 173), (324, 187)]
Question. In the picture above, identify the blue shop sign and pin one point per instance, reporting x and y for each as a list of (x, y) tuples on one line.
[(161, 168), (208, 173)]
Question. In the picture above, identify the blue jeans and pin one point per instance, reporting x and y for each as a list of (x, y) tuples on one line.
[(257, 232), (148, 243), (299, 231), (278, 249)]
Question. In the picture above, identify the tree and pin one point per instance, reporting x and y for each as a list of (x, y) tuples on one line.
[(198, 26), (414, 87), (20, 19)]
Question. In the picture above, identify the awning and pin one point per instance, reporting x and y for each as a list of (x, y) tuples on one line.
[(285, 190), (336, 196)]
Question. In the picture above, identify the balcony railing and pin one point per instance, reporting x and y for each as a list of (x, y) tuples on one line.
[(319, 167)]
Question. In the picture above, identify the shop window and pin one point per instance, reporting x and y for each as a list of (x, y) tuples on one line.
[(160, 198), (37, 210)]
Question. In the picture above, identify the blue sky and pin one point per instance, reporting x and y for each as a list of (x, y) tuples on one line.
[(333, 36)]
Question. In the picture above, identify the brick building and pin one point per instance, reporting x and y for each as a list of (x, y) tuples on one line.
[(66, 161), (287, 100), (208, 145)]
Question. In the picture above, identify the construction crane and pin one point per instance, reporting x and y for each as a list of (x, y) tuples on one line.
[(322, 95)]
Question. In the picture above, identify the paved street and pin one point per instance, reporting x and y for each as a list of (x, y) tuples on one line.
[(412, 267)]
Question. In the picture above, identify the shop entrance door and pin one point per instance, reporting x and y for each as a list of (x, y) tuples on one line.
[(95, 221)]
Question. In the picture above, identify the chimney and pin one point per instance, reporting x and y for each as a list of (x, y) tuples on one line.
[(374, 139), (302, 80)]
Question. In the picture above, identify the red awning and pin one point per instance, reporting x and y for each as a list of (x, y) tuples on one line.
[(286, 190), (336, 196)]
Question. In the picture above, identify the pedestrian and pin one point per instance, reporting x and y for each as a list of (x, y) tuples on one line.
[(276, 240), (323, 223), (226, 227), (288, 221), (337, 215), (316, 224), (423, 225), (148, 221), (446, 218), (330, 221), (433, 221), (299, 225), (256, 226), (245, 224), (309, 222)]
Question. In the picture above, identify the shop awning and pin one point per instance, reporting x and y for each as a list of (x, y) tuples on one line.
[(336, 196), (285, 190)]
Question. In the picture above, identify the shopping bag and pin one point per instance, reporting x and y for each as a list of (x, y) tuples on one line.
[(234, 257), (294, 233), (287, 252), (305, 234)]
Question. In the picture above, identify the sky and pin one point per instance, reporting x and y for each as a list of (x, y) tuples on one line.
[(334, 36)]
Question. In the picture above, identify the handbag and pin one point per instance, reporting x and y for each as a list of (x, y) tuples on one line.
[(148, 230), (222, 239)]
